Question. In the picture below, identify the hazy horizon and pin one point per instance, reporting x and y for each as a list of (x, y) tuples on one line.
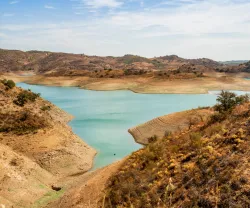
[(187, 28)]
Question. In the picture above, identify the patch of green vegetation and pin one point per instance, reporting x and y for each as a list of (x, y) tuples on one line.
[(129, 59), (48, 197), (42, 186), (10, 190), (8, 83), (228, 100), (25, 96), (45, 108), (157, 64)]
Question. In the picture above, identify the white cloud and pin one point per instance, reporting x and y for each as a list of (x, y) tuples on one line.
[(48, 7), (8, 15), (200, 29), (14, 2), (102, 3)]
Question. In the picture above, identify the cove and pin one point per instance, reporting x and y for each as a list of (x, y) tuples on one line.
[(102, 118)]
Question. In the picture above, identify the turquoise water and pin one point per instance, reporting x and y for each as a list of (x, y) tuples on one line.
[(103, 118)]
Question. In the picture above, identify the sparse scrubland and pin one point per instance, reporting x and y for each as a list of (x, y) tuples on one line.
[(19, 120), (200, 160), (37, 149), (203, 163), (204, 166)]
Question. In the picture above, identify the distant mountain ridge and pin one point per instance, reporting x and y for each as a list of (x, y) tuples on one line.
[(235, 62), (44, 62)]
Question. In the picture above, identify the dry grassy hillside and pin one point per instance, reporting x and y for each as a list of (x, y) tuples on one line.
[(206, 166), (75, 64), (37, 148)]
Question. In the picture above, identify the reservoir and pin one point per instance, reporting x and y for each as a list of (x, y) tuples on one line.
[(102, 118)]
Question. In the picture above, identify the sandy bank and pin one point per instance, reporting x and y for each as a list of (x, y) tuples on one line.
[(169, 123), (215, 81)]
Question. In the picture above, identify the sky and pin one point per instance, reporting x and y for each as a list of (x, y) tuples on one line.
[(216, 29)]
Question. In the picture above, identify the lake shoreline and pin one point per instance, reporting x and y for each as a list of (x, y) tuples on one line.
[(91, 176), (141, 85)]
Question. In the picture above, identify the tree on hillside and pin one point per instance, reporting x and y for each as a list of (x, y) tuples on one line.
[(228, 100)]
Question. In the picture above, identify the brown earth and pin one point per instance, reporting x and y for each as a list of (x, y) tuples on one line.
[(169, 165), (171, 123), (135, 73), (86, 190), (213, 81), (206, 166), (34, 157), (44, 62), (52, 155)]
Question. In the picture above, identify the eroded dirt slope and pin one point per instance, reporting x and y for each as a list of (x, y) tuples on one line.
[(171, 123), (37, 148)]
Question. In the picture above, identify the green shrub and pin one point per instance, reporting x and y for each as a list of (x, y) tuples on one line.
[(228, 100), (25, 96), (8, 83), (45, 108)]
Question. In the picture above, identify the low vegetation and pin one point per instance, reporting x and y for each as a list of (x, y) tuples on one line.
[(45, 108), (8, 83), (23, 122), (129, 59), (205, 167), (25, 96), (19, 120)]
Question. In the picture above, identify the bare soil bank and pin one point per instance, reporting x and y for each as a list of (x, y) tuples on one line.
[(214, 81), (37, 149), (171, 123)]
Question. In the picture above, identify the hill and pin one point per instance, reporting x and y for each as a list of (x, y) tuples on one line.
[(80, 64), (206, 165), (234, 62), (37, 148)]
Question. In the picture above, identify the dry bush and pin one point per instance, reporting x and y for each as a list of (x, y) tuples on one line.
[(23, 122), (201, 168)]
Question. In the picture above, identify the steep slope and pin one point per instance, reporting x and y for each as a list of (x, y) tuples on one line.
[(86, 190), (21, 179), (38, 148), (205, 166)]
